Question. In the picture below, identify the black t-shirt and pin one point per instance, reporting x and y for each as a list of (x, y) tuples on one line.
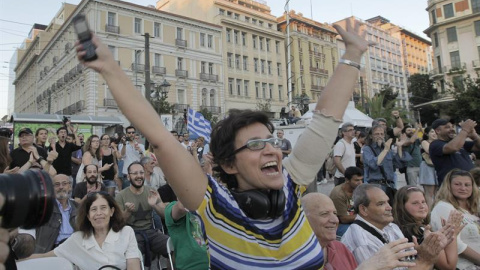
[(166, 193), (444, 163), (81, 189), (20, 156), (63, 163)]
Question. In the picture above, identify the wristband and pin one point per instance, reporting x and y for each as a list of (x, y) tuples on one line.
[(349, 63), (39, 160)]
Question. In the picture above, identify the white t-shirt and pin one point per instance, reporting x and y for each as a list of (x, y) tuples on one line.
[(131, 155), (468, 237), (87, 254), (346, 151)]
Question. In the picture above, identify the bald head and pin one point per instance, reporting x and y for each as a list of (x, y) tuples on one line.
[(322, 216), (315, 201)]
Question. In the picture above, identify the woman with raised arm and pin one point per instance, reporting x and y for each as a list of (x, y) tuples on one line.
[(256, 221)]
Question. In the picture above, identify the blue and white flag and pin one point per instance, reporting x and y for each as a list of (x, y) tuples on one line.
[(198, 124)]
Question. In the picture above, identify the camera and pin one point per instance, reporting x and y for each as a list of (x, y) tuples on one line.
[(5, 132), (29, 199), (65, 120)]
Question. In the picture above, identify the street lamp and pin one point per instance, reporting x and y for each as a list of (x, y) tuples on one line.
[(302, 102), (163, 89), (159, 97)]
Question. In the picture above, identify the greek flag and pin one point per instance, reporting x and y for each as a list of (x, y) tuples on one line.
[(198, 124)]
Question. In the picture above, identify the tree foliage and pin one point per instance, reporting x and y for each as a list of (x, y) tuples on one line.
[(375, 108), (388, 94), (467, 100), (420, 90), (264, 105)]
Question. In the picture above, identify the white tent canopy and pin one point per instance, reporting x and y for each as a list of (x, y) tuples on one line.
[(352, 115)]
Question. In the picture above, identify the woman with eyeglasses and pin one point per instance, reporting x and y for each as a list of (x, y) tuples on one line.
[(459, 192), (109, 156), (101, 239), (92, 155), (256, 220), (412, 215)]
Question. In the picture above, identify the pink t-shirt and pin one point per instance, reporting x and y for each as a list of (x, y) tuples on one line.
[(339, 257)]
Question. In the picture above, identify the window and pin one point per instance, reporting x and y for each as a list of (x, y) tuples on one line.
[(245, 88), (277, 46), (261, 43), (236, 16), (280, 92), (212, 98), (181, 96), (204, 96), (455, 59), (270, 91), (270, 26), (229, 36), (230, 86), (239, 87), (221, 12), (111, 18), (180, 63), (477, 28), (264, 90), (254, 21), (279, 69), (203, 67), (245, 63), (475, 6), (210, 68), (255, 64), (137, 58), (237, 61), (202, 39), (260, 23), (247, 19), (269, 67), (439, 64), (435, 40), (257, 89), (254, 39), (156, 29), (179, 33), (235, 36), (230, 60), (262, 65), (157, 60), (448, 10), (210, 41), (138, 25), (451, 34), (244, 39), (229, 13), (478, 49), (267, 44)]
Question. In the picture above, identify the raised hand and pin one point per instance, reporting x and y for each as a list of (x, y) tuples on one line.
[(104, 56), (352, 36), (153, 198), (388, 144)]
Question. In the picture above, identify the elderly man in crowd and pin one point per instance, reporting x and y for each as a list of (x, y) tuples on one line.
[(373, 229), (62, 222)]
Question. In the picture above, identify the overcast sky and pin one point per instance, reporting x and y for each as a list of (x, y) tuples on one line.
[(17, 18)]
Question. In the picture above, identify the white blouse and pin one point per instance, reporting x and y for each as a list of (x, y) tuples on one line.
[(87, 254)]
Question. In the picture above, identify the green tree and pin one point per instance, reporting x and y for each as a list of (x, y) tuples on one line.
[(388, 94), (264, 106), (375, 108), (420, 90), (466, 104), (209, 116)]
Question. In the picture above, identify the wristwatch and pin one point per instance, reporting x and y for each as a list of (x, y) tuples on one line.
[(39, 160)]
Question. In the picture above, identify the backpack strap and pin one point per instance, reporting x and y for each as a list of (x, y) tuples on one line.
[(370, 230)]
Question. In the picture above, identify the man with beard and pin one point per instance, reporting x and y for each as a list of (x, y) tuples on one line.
[(90, 185), (380, 161), (451, 150), (137, 202), (61, 223)]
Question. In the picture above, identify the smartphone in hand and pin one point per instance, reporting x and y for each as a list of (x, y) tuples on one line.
[(85, 37)]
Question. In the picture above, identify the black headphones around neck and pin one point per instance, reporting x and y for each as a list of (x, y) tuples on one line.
[(261, 204)]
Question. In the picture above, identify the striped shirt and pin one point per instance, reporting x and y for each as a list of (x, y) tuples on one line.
[(363, 244), (238, 242)]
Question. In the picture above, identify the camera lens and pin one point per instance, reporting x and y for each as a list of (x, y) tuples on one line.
[(28, 199)]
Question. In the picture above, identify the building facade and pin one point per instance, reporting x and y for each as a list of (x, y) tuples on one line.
[(253, 50), (383, 63), (314, 53), (194, 69), (455, 33)]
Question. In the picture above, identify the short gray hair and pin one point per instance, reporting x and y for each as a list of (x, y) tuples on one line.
[(346, 126), (360, 196), (145, 160)]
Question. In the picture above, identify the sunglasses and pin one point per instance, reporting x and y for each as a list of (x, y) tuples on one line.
[(259, 144)]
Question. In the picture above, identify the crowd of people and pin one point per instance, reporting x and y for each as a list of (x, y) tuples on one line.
[(241, 201)]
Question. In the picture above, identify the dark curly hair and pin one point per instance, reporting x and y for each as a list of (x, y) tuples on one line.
[(117, 222), (223, 137)]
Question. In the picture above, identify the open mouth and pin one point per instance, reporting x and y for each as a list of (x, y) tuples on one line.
[(270, 168)]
